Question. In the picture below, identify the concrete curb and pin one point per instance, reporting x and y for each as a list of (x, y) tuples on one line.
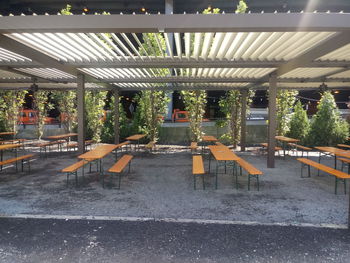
[(170, 220)]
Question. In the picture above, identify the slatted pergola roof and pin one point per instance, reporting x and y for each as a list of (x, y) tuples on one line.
[(222, 51)]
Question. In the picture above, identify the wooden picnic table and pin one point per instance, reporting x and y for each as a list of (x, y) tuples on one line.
[(284, 141), (62, 136), (4, 147), (221, 153), (136, 138), (336, 152), (65, 137), (209, 138), (99, 153)]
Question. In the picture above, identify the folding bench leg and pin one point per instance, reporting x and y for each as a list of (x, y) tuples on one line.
[(22, 163), (248, 182), (203, 182), (257, 181), (336, 185), (194, 182), (129, 166), (119, 179)]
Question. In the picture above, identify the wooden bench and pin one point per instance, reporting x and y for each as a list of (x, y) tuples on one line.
[(338, 175), (344, 161), (120, 146), (343, 146), (88, 143), (265, 145), (119, 167), (193, 146), (73, 170), (302, 148), (16, 159), (150, 146), (219, 144), (250, 169), (197, 169), (74, 145)]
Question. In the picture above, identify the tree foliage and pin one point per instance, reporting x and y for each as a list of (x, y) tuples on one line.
[(152, 104), (94, 113), (66, 101), (11, 102), (107, 135), (284, 103), (299, 123), (41, 105), (231, 106), (327, 127), (231, 103)]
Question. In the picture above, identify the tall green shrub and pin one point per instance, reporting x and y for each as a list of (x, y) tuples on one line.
[(327, 127), (284, 102), (94, 112), (151, 108), (42, 106), (66, 101), (107, 135), (11, 102), (299, 123)]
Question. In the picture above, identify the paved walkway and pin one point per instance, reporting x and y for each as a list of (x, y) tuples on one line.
[(47, 240)]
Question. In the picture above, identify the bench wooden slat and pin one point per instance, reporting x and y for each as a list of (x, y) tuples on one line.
[(344, 160), (197, 165), (13, 160), (248, 167), (123, 143), (119, 166), (265, 145), (194, 145), (300, 146), (219, 144), (343, 145), (74, 167), (324, 168)]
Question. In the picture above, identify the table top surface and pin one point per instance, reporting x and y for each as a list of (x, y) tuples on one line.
[(209, 138), (7, 133), (286, 139), (9, 146), (62, 136), (223, 153), (135, 137), (334, 150), (99, 152)]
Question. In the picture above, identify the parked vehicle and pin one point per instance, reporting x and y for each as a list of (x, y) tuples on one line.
[(28, 117)]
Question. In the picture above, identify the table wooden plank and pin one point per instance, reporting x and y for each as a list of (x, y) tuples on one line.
[(286, 139), (209, 138), (62, 136), (99, 152), (9, 146), (222, 153), (7, 133), (135, 137)]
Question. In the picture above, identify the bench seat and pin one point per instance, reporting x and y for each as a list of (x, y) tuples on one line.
[(343, 146), (250, 169), (197, 169), (339, 175), (119, 167), (73, 170), (265, 145), (219, 144), (16, 159)]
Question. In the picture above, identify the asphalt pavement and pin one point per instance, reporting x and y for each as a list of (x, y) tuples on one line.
[(53, 240)]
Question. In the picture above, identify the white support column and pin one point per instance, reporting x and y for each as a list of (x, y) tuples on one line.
[(116, 116), (81, 112), (272, 121)]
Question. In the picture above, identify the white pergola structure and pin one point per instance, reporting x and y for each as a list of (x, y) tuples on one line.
[(212, 52)]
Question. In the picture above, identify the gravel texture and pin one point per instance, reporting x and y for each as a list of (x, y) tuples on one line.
[(160, 185)]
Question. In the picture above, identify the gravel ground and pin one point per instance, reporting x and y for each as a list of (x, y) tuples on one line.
[(34, 240), (160, 185)]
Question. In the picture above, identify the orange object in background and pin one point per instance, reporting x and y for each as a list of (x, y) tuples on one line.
[(181, 116), (31, 117)]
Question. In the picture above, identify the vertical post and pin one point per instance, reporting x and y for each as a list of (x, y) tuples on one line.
[(272, 121), (116, 116), (81, 112), (349, 207), (244, 95), (169, 8)]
